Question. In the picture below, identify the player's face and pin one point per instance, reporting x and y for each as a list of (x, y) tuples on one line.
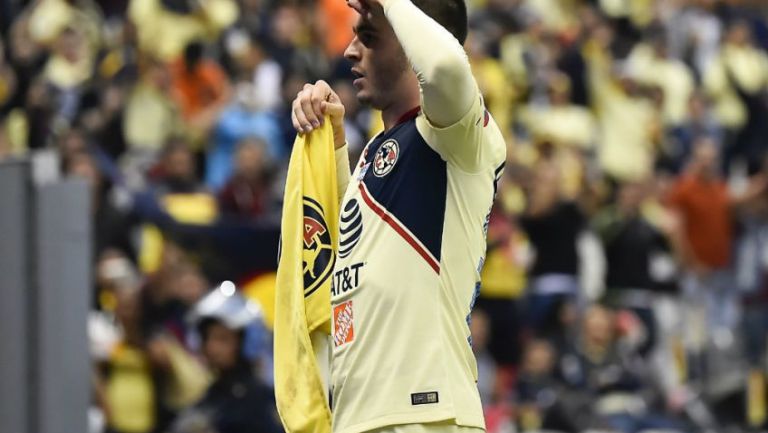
[(378, 62)]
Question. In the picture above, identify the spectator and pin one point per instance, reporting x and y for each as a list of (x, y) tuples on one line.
[(698, 125), (633, 246), (246, 193), (68, 69), (626, 118), (503, 285), (146, 378), (239, 121), (252, 63), (164, 28), (200, 87), (541, 399), (612, 378), (151, 117), (176, 173), (486, 366), (735, 81), (701, 197), (653, 66), (114, 272), (237, 401), (491, 79), (566, 125), (552, 225)]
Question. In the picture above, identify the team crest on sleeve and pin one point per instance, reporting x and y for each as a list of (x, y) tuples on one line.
[(386, 158), (318, 258), (343, 324)]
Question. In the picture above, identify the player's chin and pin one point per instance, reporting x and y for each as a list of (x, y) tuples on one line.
[(364, 97)]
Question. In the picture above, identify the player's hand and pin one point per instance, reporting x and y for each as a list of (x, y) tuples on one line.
[(369, 9), (312, 104)]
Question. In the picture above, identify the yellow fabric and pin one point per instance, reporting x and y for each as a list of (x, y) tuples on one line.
[(197, 208), (640, 12), (64, 74), (513, 51), (503, 276), (150, 118), (497, 93), (309, 239), (681, 360), (756, 400), (747, 66), (48, 19), (261, 290), (190, 379), (129, 391), (626, 123), (17, 130), (151, 253), (671, 76), (556, 15), (5, 87), (563, 125), (164, 34)]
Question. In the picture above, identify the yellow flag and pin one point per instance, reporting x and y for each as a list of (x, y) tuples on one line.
[(309, 239)]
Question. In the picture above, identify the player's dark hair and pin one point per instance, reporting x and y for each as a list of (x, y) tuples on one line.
[(451, 14)]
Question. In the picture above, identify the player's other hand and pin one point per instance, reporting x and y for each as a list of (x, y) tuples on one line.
[(312, 104)]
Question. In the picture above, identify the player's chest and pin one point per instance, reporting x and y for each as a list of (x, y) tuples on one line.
[(397, 166)]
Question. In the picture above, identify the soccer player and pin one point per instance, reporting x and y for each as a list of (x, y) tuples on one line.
[(413, 221)]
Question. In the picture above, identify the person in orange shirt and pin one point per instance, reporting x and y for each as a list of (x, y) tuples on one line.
[(200, 86), (704, 205), (335, 22), (700, 197)]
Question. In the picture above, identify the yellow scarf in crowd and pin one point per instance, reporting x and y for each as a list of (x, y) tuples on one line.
[(309, 240)]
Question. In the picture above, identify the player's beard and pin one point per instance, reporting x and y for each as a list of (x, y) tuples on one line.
[(379, 92)]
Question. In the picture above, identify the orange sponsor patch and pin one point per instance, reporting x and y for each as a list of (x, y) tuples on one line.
[(343, 328)]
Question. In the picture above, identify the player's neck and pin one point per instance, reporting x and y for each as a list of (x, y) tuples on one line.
[(399, 113), (406, 100)]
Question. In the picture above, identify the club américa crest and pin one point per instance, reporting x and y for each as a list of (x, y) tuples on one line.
[(319, 257), (386, 158)]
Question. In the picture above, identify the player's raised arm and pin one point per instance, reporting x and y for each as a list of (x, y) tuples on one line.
[(448, 88)]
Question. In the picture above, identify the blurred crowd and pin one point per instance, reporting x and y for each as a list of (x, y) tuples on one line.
[(624, 286)]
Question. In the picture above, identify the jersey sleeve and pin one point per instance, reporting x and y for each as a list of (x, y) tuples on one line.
[(438, 59), (472, 143), (342, 171), (454, 121)]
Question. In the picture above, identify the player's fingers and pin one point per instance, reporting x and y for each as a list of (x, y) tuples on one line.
[(305, 102), (295, 121), (335, 111), (301, 118), (333, 98), (320, 93), (357, 6)]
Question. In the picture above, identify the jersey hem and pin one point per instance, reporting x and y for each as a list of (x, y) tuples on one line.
[(410, 418)]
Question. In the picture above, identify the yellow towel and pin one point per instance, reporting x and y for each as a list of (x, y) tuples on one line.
[(309, 239)]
